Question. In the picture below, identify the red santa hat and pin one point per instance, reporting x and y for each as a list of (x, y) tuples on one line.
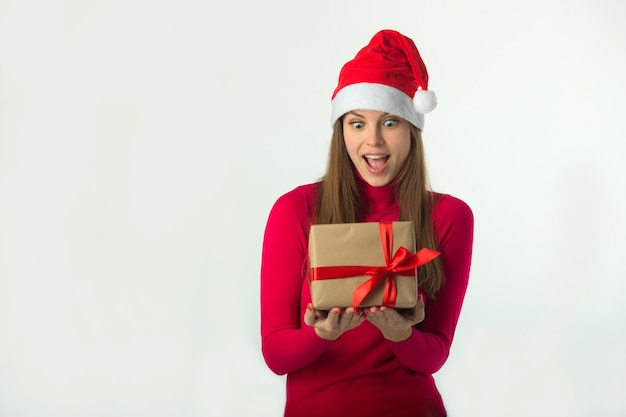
[(387, 75)]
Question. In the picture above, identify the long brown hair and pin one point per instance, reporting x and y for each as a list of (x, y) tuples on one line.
[(338, 198)]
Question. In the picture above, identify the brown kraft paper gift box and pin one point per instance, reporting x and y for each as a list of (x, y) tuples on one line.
[(358, 248)]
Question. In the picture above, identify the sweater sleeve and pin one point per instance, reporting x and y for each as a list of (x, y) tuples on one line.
[(287, 343), (428, 347)]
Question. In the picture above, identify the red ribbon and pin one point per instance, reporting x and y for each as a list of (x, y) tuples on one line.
[(401, 263)]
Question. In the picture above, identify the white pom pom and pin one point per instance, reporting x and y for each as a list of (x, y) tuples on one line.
[(424, 101)]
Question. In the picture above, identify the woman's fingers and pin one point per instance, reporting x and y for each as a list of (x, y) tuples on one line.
[(333, 323), (352, 318), (310, 315)]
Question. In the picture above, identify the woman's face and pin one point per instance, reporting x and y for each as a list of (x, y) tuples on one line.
[(378, 144)]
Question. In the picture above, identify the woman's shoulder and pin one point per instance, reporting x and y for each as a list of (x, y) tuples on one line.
[(305, 192), (298, 200), (450, 209), (450, 202)]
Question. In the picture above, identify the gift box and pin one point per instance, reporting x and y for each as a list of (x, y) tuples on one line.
[(365, 264)]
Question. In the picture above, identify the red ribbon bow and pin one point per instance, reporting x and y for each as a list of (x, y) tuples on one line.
[(401, 263)]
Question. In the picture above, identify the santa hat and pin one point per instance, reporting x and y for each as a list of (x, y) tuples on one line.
[(387, 75)]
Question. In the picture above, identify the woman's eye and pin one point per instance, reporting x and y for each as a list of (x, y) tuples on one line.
[(357, 125), (390, 123)]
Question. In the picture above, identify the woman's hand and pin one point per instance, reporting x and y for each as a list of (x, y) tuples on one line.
[(396, 325), (332, 323)]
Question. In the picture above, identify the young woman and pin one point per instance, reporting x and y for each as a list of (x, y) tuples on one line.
[(374, 361)]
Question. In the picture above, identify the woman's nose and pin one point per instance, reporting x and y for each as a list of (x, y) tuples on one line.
[(374, 137)]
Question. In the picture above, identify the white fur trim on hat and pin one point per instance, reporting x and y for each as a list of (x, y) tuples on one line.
[(370, 96)]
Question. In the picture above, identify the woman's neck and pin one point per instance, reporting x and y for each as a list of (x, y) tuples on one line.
[(376, 199)]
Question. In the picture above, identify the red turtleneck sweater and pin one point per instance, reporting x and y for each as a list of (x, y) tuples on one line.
[(361, 373)]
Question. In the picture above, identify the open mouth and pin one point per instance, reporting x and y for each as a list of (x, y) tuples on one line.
[(376, 163)]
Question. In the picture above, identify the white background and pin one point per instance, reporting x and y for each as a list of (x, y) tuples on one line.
[(142, 144)]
